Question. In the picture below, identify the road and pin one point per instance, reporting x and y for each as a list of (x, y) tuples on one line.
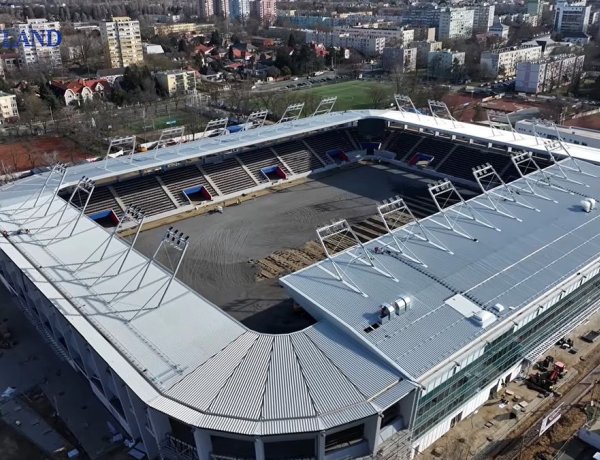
[(327, 77)]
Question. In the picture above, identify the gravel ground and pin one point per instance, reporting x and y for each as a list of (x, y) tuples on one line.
[(221, 245)]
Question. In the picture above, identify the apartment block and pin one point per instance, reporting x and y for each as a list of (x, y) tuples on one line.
[(369, 46), (440, 64), (547, 74), (399, 59), (456, 23), (175, 82), (423, 49), (34, 53), (571, 18), (483, 17), (8, 107), (504, 61), (122, 38), (264, 10)]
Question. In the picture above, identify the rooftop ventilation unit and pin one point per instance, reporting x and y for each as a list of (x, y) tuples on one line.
[(386, 311), (498, 308), (588, 204), (483, 318), (403, 303)]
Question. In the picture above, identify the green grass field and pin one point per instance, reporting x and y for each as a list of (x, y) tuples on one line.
[(355, 94)]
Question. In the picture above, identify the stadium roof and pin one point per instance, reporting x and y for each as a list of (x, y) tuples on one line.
[(244, 139), (192, 361), (513, 262)]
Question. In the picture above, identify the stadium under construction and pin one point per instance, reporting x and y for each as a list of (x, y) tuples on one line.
[(413, 329)]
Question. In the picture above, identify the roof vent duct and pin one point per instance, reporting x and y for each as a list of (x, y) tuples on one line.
[(403, 303), (386, 311), (483, 318), (588, 204)]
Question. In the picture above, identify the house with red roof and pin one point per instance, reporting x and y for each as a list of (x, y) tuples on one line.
[(74, 92)]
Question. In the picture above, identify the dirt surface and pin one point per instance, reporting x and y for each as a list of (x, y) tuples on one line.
[(37, 152), (590, 122), (13, 446), (221, 262)]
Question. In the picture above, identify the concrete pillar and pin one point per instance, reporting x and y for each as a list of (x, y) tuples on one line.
[(372, 427), (203, 444), (139, 411), (159, 423), (121, 394), (259, 449), (321, 445)]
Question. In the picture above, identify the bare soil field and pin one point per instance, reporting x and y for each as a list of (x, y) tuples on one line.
[(38, 152), (236, 258)]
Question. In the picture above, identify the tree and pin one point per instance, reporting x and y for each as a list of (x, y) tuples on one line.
[(273, 72), (377, 95), (215, 38), (291, 43)]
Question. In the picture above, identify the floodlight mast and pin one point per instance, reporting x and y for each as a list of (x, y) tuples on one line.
[(325, 106), (438, 108), (256, 120), (219, 125), (405, 104), (292, 113), (61, 169), (121, 141), (169, 134)]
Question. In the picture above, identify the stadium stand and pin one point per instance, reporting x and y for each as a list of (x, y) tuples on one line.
[(146, 190), (436, 147), (179, 179), (461, 161), (101, 200), (229, 176), (324, 142), (401, 143), (297, 157), (261, 162)]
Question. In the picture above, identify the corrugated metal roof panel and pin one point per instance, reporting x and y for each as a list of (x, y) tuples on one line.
[(286, 394), (393, 395), (328, 387), (348, 415), (248, 379), (216, 371), (366, 370)]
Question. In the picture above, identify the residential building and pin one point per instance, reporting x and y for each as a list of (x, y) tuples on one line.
[(122, 38), (442, 63), (547, 74), (8, 107), (504, 61), (112, 76), (76, 92), (399, 59), (264, 10), (571, 18), (483, 17), (369, 46), (239, 9), (424, 34), (499, 30), (423, 48), (150, 48), (455, 23), (182, 28), (549, 130), (534, 7), (32, 52), (175, 82), (422, 15), (10, 63), (401, 35), (207, 9)]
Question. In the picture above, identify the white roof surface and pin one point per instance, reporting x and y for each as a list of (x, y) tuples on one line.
[(191, 360)]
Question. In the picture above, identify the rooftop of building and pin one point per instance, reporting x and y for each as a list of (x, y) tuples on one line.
[(189, 359)]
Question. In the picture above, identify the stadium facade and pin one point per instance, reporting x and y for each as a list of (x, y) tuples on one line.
[(414, 329)]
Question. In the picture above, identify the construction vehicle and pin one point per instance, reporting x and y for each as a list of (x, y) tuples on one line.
[(547, 379)]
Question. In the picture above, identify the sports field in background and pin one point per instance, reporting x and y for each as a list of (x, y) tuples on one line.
[(355, 94)]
